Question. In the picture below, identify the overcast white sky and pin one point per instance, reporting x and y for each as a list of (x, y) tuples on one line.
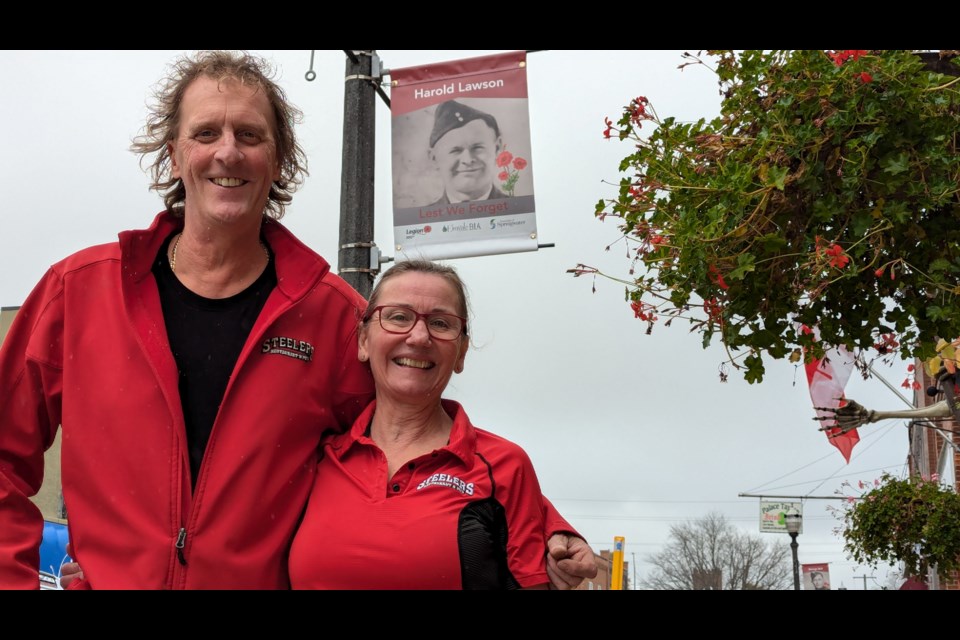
[(629, 433)]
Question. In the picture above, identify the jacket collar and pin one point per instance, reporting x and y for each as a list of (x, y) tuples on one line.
[(298, 267)]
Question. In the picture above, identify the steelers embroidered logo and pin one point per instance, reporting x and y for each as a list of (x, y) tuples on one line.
[(290, 347)]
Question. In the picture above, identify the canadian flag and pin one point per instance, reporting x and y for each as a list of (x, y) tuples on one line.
[(827, 379)]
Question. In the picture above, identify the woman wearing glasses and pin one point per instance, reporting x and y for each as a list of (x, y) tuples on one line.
[(414, 496)]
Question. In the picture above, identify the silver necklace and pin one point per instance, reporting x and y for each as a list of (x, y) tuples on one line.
[(173, 258)]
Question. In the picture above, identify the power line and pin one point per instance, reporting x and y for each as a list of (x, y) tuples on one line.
[(655, 500), (670, 501), (862, 451), (713, 502), (874, 437), (835, 477), (678, 519)]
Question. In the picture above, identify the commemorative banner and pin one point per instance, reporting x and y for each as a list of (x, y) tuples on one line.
[(816, 577), (462, 165)]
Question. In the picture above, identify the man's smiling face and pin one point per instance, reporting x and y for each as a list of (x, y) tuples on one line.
[(466, 158), (225, 151)]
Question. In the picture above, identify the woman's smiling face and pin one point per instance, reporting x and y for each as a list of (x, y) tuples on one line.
[(413, 368)]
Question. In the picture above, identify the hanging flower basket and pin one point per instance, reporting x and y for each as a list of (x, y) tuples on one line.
[(913, 521), (827, 193)]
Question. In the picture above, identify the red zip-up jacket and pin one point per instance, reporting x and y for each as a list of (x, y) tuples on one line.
[(89, 350)]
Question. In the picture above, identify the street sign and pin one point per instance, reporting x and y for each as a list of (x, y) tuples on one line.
[(772, 512)]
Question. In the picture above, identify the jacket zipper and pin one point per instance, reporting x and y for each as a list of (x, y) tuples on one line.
[(179, 546), (181, 543), (258, 330)]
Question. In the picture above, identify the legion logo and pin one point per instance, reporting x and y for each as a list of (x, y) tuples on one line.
[(418, 231)]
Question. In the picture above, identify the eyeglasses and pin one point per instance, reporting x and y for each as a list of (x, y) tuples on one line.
[(401, 320)]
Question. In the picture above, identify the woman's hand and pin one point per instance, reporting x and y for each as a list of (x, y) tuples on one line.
[(69, 571), (569, 561)]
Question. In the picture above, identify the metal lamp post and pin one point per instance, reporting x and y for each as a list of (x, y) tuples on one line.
[(793, 520)]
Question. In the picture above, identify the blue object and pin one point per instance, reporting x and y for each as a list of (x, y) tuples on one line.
[(53, 553)]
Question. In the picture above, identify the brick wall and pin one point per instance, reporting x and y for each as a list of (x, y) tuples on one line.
[(925, 451)]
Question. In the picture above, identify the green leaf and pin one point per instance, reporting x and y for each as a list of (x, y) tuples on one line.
[(745, 264), (777, 176), (755, 370), (861, 221), (934, 313), (898, 163), (940, 265), (773, 243), (898, 212)]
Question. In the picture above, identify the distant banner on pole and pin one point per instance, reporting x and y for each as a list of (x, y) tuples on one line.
[(462, 162), (816, 577)]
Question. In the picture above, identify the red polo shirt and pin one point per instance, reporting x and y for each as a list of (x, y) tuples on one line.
[(466, 516)]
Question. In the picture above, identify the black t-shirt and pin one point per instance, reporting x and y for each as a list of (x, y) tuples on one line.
[(206, 337)]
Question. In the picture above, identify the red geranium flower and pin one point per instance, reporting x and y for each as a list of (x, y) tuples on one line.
[(838, 258), (717, 278), (839, 57)]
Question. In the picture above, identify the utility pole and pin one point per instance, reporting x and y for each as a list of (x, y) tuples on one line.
[(793, 521), (864, 578), (358, 258), (633, 561)]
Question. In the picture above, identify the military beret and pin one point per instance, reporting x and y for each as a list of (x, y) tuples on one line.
[(452, 115)]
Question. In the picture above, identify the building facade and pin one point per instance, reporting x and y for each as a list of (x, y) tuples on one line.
[(935, 452), (604, 579)]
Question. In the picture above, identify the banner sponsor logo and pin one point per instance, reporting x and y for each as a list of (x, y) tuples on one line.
[(506, 222), (413, 233), (462, 226)]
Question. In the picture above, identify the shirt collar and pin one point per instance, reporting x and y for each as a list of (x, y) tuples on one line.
[(462, 443)]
